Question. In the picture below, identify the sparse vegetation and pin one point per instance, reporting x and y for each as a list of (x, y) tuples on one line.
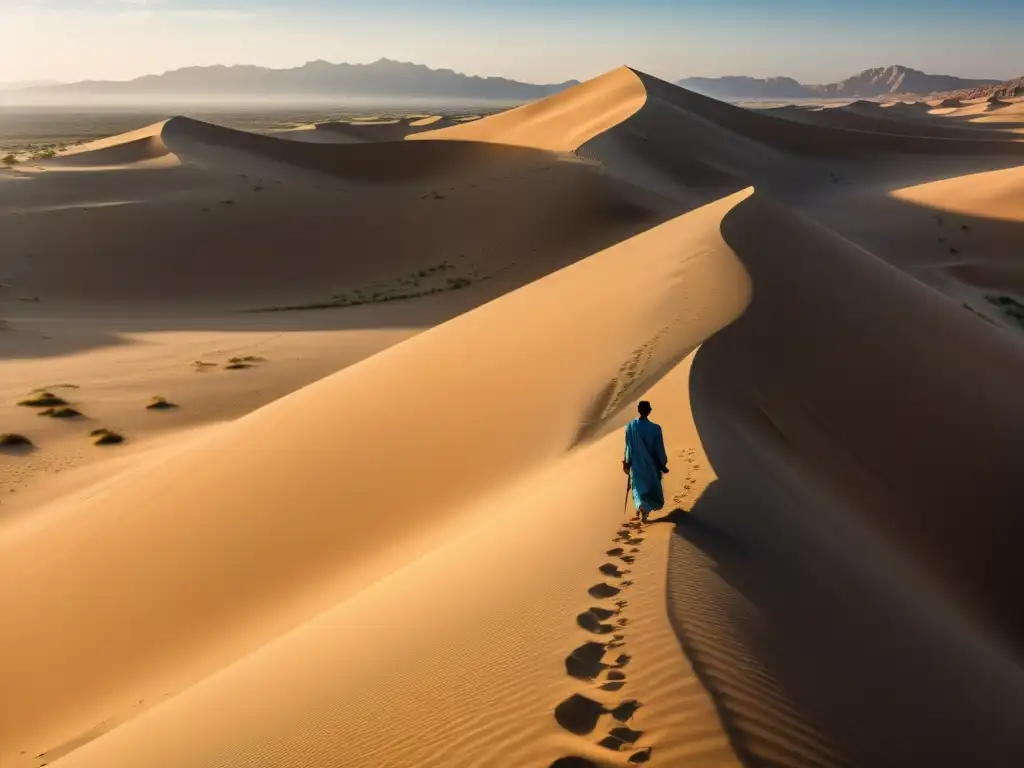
[(9, 160), (106, 437), (404, 288), (240, 363), (14, 440), (64, 412), (159, 403), (43, 399)]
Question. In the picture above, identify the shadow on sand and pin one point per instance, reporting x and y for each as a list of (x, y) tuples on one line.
[(848, 588)]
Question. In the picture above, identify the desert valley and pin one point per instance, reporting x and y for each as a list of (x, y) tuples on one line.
[(312, 429)]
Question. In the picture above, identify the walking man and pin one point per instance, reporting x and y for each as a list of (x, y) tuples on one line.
[(645, 462)]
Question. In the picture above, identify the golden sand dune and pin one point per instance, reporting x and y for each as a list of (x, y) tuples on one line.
[(127, 148), (561, 122), (416, 559)]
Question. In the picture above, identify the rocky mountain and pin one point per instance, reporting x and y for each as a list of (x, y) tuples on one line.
[(871, 83), (316, 78), (1005, 90)]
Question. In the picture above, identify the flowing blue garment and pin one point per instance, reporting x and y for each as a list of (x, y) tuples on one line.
[(645, 452)]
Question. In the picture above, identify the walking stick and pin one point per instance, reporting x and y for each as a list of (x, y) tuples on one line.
[(629, 487)]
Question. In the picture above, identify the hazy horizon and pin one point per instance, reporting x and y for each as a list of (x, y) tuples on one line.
[(537, 41)]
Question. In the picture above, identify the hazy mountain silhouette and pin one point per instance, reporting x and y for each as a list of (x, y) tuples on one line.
[(316, 78), (17, 86), (870, 83)]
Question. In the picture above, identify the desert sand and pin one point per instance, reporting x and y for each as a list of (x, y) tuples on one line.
[(379, 519)]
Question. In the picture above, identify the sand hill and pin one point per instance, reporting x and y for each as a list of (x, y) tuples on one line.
[(384, 524)]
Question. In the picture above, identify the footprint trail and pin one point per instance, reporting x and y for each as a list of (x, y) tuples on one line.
[(599, 664)]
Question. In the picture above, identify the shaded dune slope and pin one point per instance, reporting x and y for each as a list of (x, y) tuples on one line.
[(256, 221), (392, 131), (816, 140), (861, 536), (887, 120)]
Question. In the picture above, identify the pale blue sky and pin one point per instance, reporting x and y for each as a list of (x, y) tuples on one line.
[(534, 40)]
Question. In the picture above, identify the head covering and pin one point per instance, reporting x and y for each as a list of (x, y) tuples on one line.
[(644, 407)]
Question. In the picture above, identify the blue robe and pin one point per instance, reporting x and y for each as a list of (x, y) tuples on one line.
[(645, 452)]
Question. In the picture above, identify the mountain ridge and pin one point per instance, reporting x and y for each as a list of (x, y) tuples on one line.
[(869, 83), (384, 77)]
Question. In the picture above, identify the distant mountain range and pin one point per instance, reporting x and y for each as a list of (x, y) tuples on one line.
[(871, 83), (26, 84), (317, 78)]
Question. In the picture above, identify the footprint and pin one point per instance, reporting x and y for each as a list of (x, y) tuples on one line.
[(628, 559), (623, 712), (610, 569), (615, 552), (634, 550), (642, 756), (627, 584), (614, 674), (603, 590), (579, 715), (591, 623), (612, 687), (585, 662), (573, 761), (622, 660), (620, 737)]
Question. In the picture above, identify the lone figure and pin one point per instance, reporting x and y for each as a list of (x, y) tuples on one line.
[(645, 462)]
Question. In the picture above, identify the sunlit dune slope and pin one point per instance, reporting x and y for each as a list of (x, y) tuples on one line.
[(200, 559)]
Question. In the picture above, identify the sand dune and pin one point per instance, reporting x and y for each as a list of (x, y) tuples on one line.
[(419, 559), (289, 567), (879, 119), (845, 456), (296, 223)]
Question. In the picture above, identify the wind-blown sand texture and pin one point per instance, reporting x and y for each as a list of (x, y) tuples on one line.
[(377, 520)]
